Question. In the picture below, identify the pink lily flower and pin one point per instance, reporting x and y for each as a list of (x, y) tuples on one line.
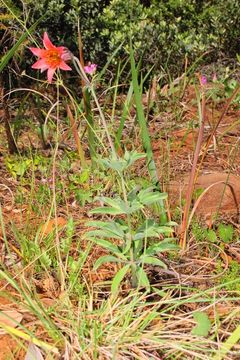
[(51, 58), (90, 68)]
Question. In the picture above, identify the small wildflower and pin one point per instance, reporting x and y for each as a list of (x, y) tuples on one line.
[(90, 68), (203, 80), (51, 58)]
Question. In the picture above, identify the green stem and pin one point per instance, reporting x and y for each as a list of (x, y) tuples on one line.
[(134, 280), (90, 125)]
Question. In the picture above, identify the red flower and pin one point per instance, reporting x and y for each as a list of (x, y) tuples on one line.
[(51, 58)]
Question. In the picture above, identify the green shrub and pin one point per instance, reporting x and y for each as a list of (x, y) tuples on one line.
[(61, 19), (163, 31)]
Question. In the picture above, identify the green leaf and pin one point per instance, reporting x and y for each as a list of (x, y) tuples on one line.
[(134, 206), (164, 245), (227, 345), (112, 163), (151, 229), (115, 203), (103, 234), (131, 157), (105, 259), (7, 57), (118, 278), (211, 235), (225, 232), (142, 278), (106, 210), (203, 324), (114, 227), (148, 196), (106, 244), (122, 164), (152, 261), (154, 198)]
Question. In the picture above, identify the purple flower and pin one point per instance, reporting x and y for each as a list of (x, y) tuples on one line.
[(90, 68), (203, 80)]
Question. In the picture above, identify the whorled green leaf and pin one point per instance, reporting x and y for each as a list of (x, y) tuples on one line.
[(118, 278), (112, 227), (142, 278), (115, 203), (106, 210), (114, 164), (105, 259), (103, 234), (152, 261), (149, 197), (134, 207), (164, 245), (153, 231), (106, 245), (122, 164), (144, 129)]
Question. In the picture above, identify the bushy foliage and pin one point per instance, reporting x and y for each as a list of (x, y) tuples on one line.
[(162, 31), (61, 22)]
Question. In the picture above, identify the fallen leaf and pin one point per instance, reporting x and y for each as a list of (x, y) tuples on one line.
[(33, 353), (50, 226), (10, 318)]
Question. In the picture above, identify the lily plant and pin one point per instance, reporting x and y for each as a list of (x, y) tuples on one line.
[(132, 244)]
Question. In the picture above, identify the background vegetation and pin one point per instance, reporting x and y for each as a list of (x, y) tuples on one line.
[(163, 32)]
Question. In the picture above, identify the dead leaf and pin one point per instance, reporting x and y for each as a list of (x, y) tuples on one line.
[(222, 310), (10, 318), (47, 302), (33, 353), (50, 226)]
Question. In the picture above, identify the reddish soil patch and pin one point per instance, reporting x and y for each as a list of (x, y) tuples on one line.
[(174, 150)]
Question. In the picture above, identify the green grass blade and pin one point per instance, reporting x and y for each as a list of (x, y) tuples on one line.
[(126, 108), (144, 132), (7, 57), (228, 344)]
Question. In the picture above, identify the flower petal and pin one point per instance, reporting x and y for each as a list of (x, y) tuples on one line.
[(66, 55), (50, 74), (47, 42), (90, 69), (40, 64), (38, 52), (64, 66)]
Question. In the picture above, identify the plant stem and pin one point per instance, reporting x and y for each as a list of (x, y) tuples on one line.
[(76, 137), (130, 240), (192, 177), (87, 103), (104, 122)]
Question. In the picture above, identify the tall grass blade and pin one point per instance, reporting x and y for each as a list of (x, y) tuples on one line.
[(228, 344), (126, 108), (144, 132), (7, 57)]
